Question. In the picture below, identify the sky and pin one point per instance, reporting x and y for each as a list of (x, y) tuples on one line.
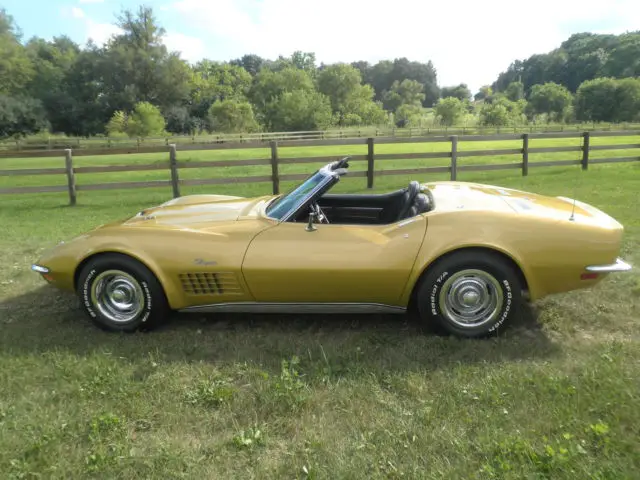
[(468, 41)]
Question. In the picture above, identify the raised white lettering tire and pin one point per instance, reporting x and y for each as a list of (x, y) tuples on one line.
[(120, 294), (469, 293)]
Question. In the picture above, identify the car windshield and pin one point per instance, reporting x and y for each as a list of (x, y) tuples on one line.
[(281, 206)]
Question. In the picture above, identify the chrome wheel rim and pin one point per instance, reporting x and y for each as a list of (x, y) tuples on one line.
[(471, 298), (117, 295)]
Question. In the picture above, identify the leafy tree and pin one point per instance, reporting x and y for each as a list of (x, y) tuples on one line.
[(594, 100), (15, 67), (408, 114), (268, 85), (117, 124), (145, 120), (551, 99), (20, 116), (351, 101), (179, 120), (515, 91), (582, 57), (502, 111), (608, 100), (300, 110), (304, 61), (232, 115), (627, 100), (460, 92), (407, 92), (484, 92), (251, 63), (450, 110)]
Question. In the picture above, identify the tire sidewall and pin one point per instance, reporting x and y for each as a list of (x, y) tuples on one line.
[(151, 295), (436, 278)]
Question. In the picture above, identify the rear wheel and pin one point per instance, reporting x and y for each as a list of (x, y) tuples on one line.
[(469, 294), (118, 293)]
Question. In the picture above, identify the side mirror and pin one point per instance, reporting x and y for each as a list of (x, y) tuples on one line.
[(312, 218)]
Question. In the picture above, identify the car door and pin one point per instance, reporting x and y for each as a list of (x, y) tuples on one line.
[(334, 263)]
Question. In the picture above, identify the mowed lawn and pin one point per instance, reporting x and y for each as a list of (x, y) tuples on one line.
[(262, 396)]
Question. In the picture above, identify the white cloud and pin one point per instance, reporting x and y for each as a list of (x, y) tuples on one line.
[(191, 48), (467, 41), (100, 32), (77, 12)]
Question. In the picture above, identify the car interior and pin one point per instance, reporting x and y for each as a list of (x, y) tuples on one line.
[(372, 209)]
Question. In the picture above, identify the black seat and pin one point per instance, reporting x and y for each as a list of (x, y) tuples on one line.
[(417, 203)]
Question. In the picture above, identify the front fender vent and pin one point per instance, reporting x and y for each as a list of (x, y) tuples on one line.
[(209, 283)]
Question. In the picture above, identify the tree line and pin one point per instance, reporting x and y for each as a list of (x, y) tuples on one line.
[(134, 86)]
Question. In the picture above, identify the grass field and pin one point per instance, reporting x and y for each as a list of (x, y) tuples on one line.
[(556, 396)]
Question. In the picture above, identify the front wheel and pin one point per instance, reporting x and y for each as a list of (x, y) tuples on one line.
[(469, 294), (120, 294)]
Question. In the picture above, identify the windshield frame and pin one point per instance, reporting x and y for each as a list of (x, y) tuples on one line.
[(323, 178)]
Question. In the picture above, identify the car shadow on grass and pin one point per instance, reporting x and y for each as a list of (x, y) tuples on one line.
[(45, 320)]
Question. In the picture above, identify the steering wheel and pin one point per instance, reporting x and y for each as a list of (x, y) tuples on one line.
[(409, 197), (315, 208)]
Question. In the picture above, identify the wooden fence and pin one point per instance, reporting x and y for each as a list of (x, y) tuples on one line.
[(52, 142), (371, 157)]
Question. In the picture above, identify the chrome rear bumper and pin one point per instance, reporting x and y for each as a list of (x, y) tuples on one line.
[(619, 266)]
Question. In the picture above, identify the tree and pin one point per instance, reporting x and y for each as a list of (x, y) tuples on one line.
[(407, 92), (145, 120), (627, 100), (251, 63), (608, 100), (20, 116), (594, 100), (351, 101), (179, 120), (502, 111), (515, 91), (460, 92), (484, 92), (16, 69), (233, 115), (117, 124), (268, 85), (300, 110), (551, 99), (450, 110)]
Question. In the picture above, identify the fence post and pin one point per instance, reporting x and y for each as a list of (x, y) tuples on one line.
[(275, 178), (585, 151), (525, 154), (370, 159), (71, 176), (454, 157), (173, 166)]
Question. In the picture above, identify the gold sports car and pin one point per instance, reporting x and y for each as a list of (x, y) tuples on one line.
[(464, 256)]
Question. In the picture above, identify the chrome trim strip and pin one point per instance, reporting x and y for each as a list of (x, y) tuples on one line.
[(618, 266), (283, 307), (39, 268)]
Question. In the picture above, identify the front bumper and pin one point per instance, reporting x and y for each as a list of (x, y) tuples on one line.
[(39, 268), (619, 266)]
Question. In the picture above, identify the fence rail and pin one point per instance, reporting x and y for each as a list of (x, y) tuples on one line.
[(14, 148), (174, 166)]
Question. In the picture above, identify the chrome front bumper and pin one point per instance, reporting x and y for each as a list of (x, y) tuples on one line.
[(39, 268), (618, 266)]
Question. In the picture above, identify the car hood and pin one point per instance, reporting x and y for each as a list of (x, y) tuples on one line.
[(198, 210), (451, 196)]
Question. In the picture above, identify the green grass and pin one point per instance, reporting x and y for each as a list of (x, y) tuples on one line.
[(259, 396)]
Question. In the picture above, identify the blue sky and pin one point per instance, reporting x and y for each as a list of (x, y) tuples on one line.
[(468, 41)]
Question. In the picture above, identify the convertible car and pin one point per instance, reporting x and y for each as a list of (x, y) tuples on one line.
[(462, 255)]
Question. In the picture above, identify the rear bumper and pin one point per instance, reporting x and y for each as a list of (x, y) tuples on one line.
[(619, 266)]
